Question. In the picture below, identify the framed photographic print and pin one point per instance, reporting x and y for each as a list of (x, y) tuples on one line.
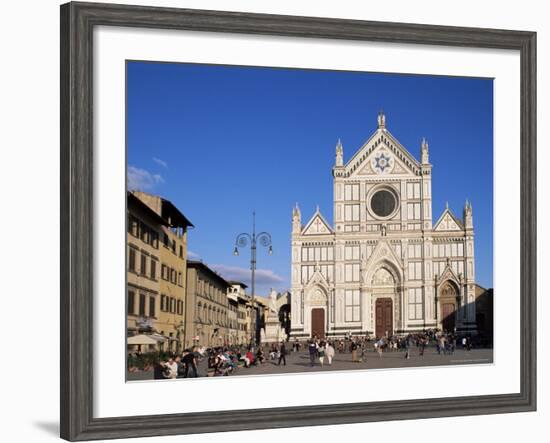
[(268, 204)]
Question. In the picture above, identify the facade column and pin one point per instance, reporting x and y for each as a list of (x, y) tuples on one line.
[(429, 316), (403, 307), (459, 307), (436, 303), (463, 300), (471, 312), (365, 303), (302, 308), (331, 309)]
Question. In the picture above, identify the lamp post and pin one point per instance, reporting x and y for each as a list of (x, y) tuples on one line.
[(242, 240)]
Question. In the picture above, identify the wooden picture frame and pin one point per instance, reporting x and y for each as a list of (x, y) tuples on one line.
[(77, 218)]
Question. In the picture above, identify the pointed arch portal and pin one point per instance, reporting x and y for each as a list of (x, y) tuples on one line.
[(448, 294), (384, 285), (317, 301)]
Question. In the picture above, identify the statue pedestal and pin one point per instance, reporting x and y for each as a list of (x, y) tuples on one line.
[(273, 332)]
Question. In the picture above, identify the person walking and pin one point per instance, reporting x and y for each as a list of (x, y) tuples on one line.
[(422, 346), (190, 361), (321, 351), (181, 367), (353, 349), (329, 353), (312, 348), (443, 344), (407, 344), (363, 356), (282, 354), (379, 345)]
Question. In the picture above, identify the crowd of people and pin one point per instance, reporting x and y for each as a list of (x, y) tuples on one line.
[(178, 366), (318, 350), (358, 346), (220, 361), (225, 360)]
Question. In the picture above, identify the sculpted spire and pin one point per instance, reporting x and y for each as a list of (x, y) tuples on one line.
[(468, 216), (339, 154), (296, 219), (424, 151), (381, 120)]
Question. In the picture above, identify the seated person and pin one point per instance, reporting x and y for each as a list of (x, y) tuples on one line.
[(251, 358), (244, 359)]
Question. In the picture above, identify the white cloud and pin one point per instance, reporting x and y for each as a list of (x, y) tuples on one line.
[(158, 161), (141, 179), (263, 276), (192, 255)]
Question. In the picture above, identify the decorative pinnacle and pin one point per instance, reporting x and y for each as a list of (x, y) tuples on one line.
[(339, 153), (296, 215), (381, 119), (339, 148), (424, 155)]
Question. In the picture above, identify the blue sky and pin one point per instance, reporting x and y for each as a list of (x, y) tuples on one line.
[(222, 141)]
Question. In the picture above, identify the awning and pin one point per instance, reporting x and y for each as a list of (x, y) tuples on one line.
[(142, 339), (159, 338)]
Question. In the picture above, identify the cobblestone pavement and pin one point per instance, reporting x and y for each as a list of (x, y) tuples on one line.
[(299, 362)]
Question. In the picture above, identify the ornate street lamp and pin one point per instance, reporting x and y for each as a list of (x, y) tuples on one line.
[(243, 240)]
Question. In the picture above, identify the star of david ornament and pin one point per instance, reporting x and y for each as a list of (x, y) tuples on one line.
[(382, 163)]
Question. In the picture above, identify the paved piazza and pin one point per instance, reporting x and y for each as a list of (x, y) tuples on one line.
[(299, 362)]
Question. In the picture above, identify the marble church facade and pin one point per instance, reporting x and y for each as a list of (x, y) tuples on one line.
[(386, 266)]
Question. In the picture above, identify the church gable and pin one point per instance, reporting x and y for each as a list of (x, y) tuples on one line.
[(448, 222), (317, 279), (382, 161), (448, 274), (382, 154), (317, 225), (383, 252)]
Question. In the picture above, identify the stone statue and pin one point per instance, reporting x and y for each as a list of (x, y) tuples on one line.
[(273, 301)]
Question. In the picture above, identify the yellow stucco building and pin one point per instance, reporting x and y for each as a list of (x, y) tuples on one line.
[(161, 272), (243, 302), (207, 314), (143, 258)]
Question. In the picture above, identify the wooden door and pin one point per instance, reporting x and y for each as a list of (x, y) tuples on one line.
[(448, 316), (384, 317), (318, 322)]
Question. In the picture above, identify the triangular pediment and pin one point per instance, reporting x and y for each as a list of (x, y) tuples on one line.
[(448, 274), (383, 252), (317, 279), (382, 154), (448, 222), (317, 226), (382, 162)]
